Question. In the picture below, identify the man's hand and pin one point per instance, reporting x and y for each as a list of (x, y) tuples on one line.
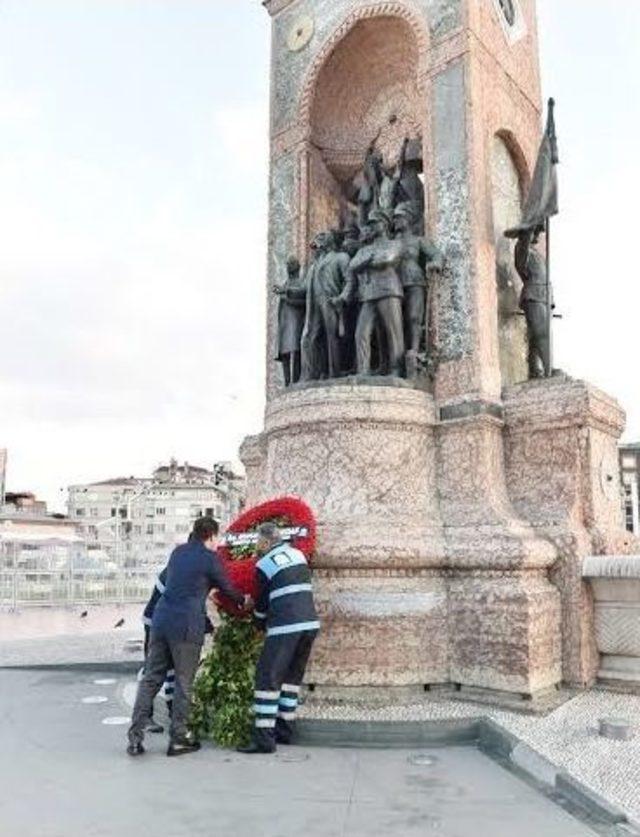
[(248, 603)]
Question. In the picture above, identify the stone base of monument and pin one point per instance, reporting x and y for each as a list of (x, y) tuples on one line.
[(615, 581), (450, 538)]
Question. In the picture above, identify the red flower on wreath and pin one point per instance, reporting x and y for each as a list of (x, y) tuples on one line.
[(237, 546)]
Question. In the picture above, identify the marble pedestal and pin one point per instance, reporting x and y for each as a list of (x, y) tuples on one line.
[(561, 459), (424, 572)]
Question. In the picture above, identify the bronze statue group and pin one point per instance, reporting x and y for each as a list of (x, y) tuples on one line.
[(361, 304)]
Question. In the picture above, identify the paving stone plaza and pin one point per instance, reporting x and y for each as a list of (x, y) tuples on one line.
[(64, 719), (63, 774)]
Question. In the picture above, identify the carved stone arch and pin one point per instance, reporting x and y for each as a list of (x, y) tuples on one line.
[(508, 137), (369, 78), (510, 178), (407, 12)]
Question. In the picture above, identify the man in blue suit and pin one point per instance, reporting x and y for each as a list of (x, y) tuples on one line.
[(177, 633)]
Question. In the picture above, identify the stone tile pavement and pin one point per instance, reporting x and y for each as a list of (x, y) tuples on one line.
[(567, 737), (64, 773)]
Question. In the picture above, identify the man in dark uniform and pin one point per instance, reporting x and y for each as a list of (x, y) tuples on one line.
[(147, 618), (177, 633), (285, 609)]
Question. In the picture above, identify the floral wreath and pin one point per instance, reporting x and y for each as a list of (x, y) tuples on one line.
[(237, 547)]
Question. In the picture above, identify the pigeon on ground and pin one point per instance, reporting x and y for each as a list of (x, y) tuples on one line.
[(119, 624), (84, 614)]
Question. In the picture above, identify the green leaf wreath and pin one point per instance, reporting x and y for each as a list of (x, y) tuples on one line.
[(223, 691)]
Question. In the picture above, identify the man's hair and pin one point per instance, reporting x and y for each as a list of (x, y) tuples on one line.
[(204, 528), (270, 532)]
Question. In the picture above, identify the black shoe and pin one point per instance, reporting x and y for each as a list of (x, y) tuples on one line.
[(183, 746), (135, 749), (283, 739), (253, 748), (154, 727)]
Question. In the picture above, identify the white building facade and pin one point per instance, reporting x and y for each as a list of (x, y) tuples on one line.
[(133, 523), (630, 476)]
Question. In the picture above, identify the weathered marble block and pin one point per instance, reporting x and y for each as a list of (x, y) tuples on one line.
[(615, 582)]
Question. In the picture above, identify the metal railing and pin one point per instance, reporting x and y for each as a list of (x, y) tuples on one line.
[(48, 575), (19, 588)]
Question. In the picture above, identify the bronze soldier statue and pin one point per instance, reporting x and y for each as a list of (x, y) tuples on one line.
[(326, 278), (410, 188), (373, 276), (421, 263), (369, 193), (291, 312), (535, 300)]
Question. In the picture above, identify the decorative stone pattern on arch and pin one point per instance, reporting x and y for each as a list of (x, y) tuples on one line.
[(436, 18), (358, 14)]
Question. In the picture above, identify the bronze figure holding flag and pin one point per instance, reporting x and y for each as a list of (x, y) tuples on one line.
[(534, 269)]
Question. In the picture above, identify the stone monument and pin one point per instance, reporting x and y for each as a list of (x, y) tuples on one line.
[(455, 506)]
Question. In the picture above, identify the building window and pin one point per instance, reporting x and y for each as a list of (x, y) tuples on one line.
[(628, 507), (137, 530), (113, 512), (80, 512), (94, 512), (149, 528), (161, 511)]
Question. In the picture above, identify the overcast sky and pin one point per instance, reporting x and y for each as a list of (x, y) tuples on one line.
[(133, 153)]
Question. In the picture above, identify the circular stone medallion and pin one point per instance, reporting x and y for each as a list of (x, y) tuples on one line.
[(300, 33)]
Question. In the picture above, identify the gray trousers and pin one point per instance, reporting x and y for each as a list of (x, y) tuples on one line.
[(388, 313), (163, 655)]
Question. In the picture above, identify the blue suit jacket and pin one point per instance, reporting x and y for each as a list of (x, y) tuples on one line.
[(192, 571)]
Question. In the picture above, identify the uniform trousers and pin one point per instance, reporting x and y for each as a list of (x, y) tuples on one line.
[(279, 675)]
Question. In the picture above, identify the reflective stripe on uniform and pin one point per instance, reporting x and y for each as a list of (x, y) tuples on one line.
[(259, 615), (280, 558), (287, 716), (265, 708), (266, 695), (265, 723), (290, 703), (297, 627), (287, 687), (160, 586), (289, 590)]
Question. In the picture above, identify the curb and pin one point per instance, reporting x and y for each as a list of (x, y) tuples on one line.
[(387, 734), (115, 667)]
